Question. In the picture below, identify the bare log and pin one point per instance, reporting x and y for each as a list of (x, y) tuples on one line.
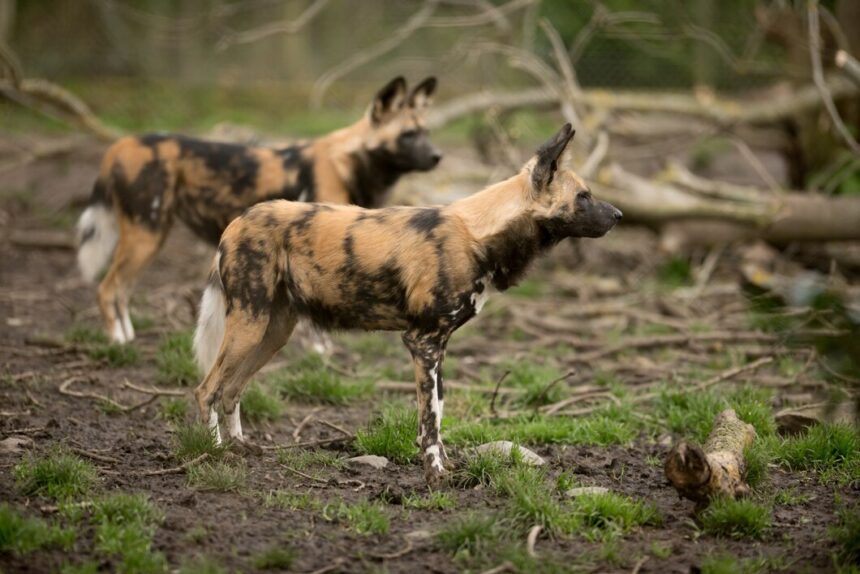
[(719, 111), (719, 469)]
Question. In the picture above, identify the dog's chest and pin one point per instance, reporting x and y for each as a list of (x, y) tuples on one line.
[(471, 302)]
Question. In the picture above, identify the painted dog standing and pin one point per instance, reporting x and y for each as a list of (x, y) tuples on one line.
[(145, 182), (424, 271)]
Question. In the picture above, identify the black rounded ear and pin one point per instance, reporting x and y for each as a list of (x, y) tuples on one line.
[(389, 99), (547, 157), (422, 95)]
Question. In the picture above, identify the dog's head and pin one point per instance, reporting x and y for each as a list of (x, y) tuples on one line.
[(397, 126), (561, 201)]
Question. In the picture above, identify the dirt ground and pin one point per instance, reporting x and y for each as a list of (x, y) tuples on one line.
[(582, 298)]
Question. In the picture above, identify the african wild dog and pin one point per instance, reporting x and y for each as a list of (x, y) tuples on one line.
[(424, 271), (146, 181)]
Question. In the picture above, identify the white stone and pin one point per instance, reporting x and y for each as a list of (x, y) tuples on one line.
[(574, 492), (371, 460), (505, 447)]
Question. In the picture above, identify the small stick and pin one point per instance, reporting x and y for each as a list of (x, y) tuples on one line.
[(552, 383), (33, 399), (175, 469), (336, 427), (639, 564), (24, 430), (302, 474), (14, 413), (153, 390), (532, 540), (506, 566), (308, 443), (297, 433), (496, 391), (95, 456), (333, 566), (393, 555)]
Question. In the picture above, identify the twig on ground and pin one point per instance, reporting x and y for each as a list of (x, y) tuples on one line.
[(175, 469), (15, 413), (333, 566), (496, 391), (65, 390), (392, 555), (638, 566), (553, 383), (33, 399), (308, 443), (154, 391), (336, 427), (95, 456), (23, 430), (532, 540), (506, 566), (303, 423), (304, 475)]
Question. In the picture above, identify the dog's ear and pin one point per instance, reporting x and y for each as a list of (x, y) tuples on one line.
[(422, 95), (388, 100), (548, 156)]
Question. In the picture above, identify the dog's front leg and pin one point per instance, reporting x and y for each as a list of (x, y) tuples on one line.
[(427, 350)]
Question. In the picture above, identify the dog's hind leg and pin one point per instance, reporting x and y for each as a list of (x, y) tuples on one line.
[(136, 247), (427, 350)]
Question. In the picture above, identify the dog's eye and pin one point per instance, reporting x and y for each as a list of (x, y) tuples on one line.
[(584, 195), (409, 134)]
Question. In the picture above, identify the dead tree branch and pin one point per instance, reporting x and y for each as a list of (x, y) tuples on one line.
[(848, 64)]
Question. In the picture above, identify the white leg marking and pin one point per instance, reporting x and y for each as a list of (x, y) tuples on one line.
[(234, 425), (433, 451), (127, 327), (117, 334), (213, 425)]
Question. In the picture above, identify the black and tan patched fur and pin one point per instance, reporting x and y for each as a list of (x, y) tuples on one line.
[(148, 182), (424, 271)]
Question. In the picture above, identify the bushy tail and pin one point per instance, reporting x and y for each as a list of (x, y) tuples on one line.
[(97, 234), (210, 323)]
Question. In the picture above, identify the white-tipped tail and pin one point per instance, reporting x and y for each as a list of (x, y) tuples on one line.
[(97, 235), (210, 325)]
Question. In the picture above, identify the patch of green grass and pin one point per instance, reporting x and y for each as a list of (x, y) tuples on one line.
[(201, 565), (758, 457), (612, 512), (364, 517), (302, 459), (692, 414), (527, 288), (173, 409), (193, 440), (606, 427), (661, 551), (288, 500), (469, 533), (534, 379), (436, 500), (275, 558), (675, 272), (175, 360), (390, 434), (125, 526), (311, 381), (846, 536), (821, 447), (742, 518), (729, 564), (530, 502), (791, 497), (20, 534), (85, 335), (218, 476), (483, 468), (56, 474), (259, 405), (115, 354)]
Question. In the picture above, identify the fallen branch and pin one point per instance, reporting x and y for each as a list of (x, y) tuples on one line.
[(848, 64), (65, 389), (393, 555), (176, 469), (153, 390), (719, 469)]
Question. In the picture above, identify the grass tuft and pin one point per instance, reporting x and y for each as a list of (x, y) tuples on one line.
[(218, 476), (260, 405), (822, 447), (364, 517), (302, 459), (21, 535), (193, 440), (175, 360), (287, 500), (311, 381), (173, 409), (115, 354), (534, 379), (846, 535), (611, 511), (736, 518), (125, 526), (275, 558), (55, 474), (436, 500), (469, 533), (390, 434)]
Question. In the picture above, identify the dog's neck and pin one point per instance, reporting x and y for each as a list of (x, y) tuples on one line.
[(348, 172), (507, 237)]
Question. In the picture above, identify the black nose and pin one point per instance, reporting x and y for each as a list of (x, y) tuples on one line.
[(618, 215), (436, 157)]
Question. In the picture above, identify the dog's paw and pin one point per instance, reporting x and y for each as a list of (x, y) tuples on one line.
[(434, 473)]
